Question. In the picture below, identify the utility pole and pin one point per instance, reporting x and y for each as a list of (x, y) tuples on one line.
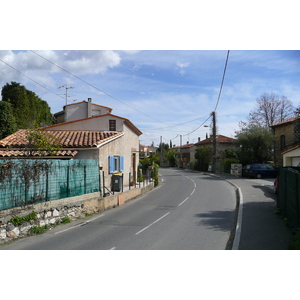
[(161, 152), (181, 164), (214, 141)]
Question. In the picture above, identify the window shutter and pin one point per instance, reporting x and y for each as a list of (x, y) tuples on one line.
[(111, 164), (121, 163)]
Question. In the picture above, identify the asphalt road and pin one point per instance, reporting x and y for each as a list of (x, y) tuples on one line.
[(188, 210)]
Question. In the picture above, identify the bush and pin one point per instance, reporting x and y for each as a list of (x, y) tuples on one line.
[(154, 174)]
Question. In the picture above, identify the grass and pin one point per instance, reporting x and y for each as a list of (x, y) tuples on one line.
[(38, 229)]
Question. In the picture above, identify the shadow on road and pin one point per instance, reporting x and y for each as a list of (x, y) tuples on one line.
[(219, 220), (268, 192)]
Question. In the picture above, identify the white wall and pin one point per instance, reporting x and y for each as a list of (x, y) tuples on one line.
[(292, 158), (82, 110)]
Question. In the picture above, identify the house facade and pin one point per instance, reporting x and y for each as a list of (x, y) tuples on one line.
[(111, 140), (118, 153), (287, 139), (186, 155), (222, 142)]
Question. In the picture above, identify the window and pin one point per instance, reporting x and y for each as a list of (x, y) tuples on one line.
[(116, 164), (112, 125), (282, 142)]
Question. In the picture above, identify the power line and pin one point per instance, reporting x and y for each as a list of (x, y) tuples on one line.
[(222, 80), (198, 126), (161, 128), (29, 78), (218, 96), (96, 87)]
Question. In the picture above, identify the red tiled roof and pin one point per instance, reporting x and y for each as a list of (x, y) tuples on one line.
[(220, 139), (66, 138), (184, 146), (18, 153), (285, 122), (291, 148)]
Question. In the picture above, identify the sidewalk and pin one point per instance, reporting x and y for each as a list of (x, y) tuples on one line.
[(260, 228)]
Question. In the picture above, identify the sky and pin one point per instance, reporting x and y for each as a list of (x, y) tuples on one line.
[(167, 94)]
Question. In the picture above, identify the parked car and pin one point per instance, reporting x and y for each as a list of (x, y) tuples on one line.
[(259, 171)]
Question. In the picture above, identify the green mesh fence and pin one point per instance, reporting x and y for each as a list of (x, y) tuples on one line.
[(28, 181), (288, 199)]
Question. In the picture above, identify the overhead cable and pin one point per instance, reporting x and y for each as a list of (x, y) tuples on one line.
[(96, 87), (222, 80), (29, 78)]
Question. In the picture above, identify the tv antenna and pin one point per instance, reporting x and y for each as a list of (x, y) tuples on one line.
[(67, 88)]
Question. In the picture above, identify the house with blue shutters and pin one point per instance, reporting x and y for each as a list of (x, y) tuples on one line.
[(111, 140)]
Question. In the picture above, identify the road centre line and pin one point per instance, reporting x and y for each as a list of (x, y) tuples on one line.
[(193, 192), (152, 223), (183, 201)]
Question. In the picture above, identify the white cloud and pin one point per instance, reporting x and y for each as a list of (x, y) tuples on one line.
[(181, 66)]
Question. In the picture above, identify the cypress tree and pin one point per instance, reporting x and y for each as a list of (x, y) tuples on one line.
[(28, 109)]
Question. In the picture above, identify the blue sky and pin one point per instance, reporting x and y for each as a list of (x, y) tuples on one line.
[(170, 85), (159, 90)]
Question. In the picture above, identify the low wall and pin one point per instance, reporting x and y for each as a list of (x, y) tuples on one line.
[(52, 212)]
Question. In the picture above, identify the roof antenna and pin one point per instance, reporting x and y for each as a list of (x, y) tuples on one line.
[(67, 88)]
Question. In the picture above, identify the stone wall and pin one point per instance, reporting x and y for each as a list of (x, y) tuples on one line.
[(53, 212)]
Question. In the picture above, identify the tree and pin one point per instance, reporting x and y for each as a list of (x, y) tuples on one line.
[(271, 109), (203, 156), (28, 109), (172, 155), (42, 142), (256, 143), (8, 124)]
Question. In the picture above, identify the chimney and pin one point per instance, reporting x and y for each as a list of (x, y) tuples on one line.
[(199, 139), (89, 108)]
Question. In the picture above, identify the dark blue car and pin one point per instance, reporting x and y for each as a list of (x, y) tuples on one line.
[(259, 171)]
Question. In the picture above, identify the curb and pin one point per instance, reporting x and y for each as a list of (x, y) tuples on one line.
[(235, 234)]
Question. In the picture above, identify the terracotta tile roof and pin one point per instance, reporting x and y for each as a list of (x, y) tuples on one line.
[(18, 153), (184, 146), (66, 138), (291, 148), (220, 139), (285, 122)]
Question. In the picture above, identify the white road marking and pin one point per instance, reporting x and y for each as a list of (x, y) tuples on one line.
[(113, 248), (192, 192), (183, 201), (152, 223)]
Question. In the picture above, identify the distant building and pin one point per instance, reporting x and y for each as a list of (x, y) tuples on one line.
[(287, 142), (186, 155), (147, 151)]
